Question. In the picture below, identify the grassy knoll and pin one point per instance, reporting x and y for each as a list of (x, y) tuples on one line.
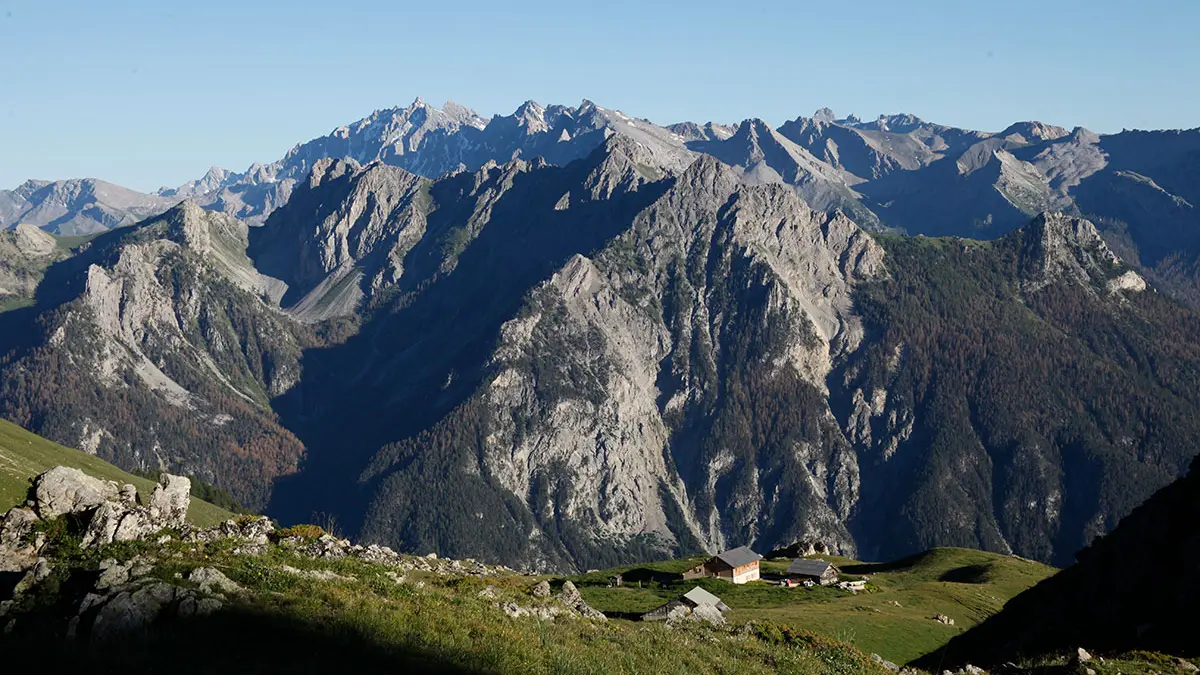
[(24, 455), (893, 619)]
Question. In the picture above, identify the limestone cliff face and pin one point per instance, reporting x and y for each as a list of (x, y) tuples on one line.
[(612, 373), (345, 238), (1058, 247), (168, 351)]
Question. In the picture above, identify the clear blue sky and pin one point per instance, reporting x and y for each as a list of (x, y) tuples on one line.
[(146, 94)]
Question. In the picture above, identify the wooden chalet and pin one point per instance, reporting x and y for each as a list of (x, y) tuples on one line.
[(737, 566)]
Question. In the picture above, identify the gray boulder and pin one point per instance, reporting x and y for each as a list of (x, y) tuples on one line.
[(63, 490), (114, 521), (170, 501), (571, 598), (16, 554), (327, 547), (570, 595), (133, 609), (212, 581), (258, 530), (885, 663), (16, 525), (706, 614), (541, 589), (36, 575), (128, 495), (114, 574)]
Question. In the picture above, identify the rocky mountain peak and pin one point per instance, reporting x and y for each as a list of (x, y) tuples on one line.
[(214, 179), (706, 182), (531, 116), (76, 206), (1059, 230), (824, 116), (1034, 131), (1084, 135), (463, 115), (901, 123), (751, 136), (624, 165), (691, 132), (1057, 246)]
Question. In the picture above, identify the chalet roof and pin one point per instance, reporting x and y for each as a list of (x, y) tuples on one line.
[(736, 557), (808, 568), (699, 596)]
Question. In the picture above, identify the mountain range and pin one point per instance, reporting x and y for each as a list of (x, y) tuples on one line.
[(894, 173), (569, 338)]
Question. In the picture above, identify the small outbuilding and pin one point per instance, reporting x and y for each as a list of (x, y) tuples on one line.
[(690, 600), (737, 565), (820, 572)]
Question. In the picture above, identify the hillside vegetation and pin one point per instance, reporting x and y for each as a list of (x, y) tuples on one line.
[(24, 455), (298, 600), (1135, 588), (893, 619), (1018, 390), (245, 597)]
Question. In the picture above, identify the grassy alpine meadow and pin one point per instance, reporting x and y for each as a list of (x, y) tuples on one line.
[(24, 455), (369, 618), (892, 618)]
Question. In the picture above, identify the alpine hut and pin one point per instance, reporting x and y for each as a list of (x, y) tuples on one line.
[(737, 565), (690, 600), (817, 571)]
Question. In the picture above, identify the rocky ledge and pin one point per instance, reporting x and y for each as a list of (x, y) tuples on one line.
[(133, 564)]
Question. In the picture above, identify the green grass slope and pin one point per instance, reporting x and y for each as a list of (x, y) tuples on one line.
[(366, 619), (893, 619), (1135, 588), (24, 455)]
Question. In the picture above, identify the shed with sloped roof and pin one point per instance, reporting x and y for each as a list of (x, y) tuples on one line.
[(817, 571)]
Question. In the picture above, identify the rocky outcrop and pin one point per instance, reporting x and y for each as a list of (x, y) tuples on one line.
[(569, 603), (109, 513), (135, 606), (707, 614), (541, 589), (211, 581), (18, 546), (158, 322), (635, 372), (170, 500), (571, 599), (63, 490), (125, 521), (800, 549), (1057, 246)]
